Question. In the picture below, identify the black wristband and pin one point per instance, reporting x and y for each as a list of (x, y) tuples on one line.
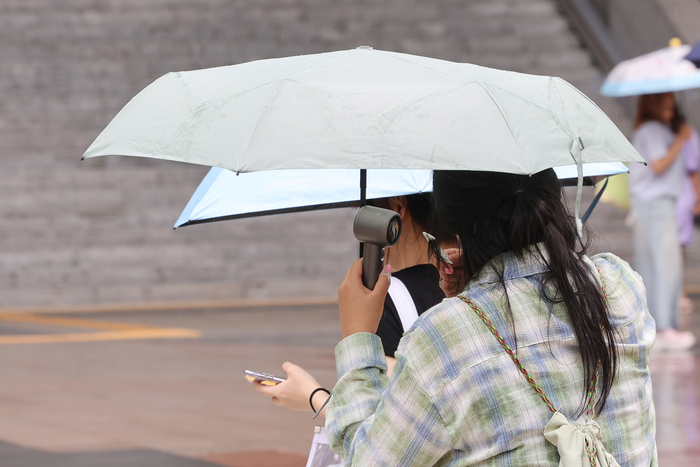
[(311, 397)]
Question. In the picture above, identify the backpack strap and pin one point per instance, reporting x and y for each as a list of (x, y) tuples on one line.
[(405, 306)]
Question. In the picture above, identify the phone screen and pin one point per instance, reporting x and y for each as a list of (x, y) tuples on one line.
[(263, 378)]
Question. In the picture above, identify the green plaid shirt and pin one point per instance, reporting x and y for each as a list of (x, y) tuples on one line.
[(456, 397)]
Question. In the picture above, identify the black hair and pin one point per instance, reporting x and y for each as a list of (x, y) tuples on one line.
[(419, 205), (495, 213)]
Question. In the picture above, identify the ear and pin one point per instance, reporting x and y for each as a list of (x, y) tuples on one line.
[(399, 205)]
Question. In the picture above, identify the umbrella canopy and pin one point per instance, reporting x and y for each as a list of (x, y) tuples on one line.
[(694, 55), (665, 70), (223, 195), (363, 109)]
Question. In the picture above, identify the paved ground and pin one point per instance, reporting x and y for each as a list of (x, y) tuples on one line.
[(184, 402), (183, 396)]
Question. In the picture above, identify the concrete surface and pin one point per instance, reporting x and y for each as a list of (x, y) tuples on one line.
[(100, 231), (166, 401)]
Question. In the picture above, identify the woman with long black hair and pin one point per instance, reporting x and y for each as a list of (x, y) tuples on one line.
[(540, 360)]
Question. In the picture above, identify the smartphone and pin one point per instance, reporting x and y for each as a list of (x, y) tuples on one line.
[(264, 378)]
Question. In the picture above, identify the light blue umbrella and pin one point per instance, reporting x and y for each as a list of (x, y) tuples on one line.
[(223, 195), (665, 70)]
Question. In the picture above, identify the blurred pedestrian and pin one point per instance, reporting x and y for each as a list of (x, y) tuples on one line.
[(659, 137), (539, 335), (688, 204)]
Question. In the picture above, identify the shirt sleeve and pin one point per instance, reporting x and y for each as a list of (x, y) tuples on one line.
[(651, 140), (374, 421)]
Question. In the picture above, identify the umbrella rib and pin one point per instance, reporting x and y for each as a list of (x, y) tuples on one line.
[(595, 105), (308, 70), (500, 110), (264, 112), (398, 56)]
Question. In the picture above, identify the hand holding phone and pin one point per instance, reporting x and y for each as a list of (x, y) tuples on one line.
[(294, 393), (263, 378)]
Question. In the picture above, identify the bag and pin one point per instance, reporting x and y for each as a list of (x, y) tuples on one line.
[(321, 454)]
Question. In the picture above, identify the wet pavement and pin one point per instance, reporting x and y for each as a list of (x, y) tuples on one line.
[(181, 399), (122, 397), (676, 379)]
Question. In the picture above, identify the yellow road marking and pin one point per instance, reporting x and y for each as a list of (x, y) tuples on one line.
[(162, 333), (177, 305), (108, 331), (71, 322)]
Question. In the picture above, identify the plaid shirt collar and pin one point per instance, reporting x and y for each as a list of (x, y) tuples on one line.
[(533, 261)]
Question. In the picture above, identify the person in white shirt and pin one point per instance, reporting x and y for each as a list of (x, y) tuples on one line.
[(659, 137)]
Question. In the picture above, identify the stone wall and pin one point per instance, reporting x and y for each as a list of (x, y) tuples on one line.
[(100, 231)]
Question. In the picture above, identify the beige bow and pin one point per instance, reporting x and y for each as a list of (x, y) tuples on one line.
[(571, 442)]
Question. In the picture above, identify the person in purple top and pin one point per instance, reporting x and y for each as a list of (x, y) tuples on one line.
[(688, 203)]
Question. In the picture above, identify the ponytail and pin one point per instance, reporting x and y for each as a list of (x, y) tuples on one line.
[(495, 213)]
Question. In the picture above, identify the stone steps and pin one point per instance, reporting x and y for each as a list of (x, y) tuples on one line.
[(100, 231)]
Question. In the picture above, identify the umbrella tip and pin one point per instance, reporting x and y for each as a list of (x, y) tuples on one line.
[(675, 42)]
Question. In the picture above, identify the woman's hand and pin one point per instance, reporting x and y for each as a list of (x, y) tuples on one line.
[(293, 393), (660, 166), (452, 280), (361, 308)]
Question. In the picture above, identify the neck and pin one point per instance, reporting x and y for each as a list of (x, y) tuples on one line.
[(411, 249)]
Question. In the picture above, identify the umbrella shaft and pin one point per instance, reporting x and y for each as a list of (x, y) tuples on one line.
[(363, 187), (363, 198)]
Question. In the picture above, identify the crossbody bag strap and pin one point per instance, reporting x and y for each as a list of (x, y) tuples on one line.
[(509, 351), (591, 448), (593, 389)]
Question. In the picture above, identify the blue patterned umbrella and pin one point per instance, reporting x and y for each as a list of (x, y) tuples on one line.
[(665, 70)]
